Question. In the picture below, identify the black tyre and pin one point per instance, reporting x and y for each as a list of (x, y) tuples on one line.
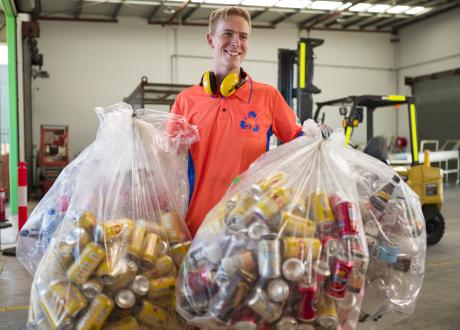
[(435, 224)]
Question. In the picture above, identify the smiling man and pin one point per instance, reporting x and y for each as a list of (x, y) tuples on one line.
[(235, 115)]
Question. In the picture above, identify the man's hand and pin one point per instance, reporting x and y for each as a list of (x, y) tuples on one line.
[(326, 130)]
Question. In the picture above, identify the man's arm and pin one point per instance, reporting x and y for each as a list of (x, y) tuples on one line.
[(285, 124)]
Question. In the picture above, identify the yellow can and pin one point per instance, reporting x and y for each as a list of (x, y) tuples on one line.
[(118, 228), (178, 252), (84, 266), (126, 323), (166, 302), (275, 180), (294, 225), (104, 272), (152, 315), (60, 257), (57, 318), (97, 313), (136, 242), (301, 247), (162, 286), (163, 265), (268, 206), (326, 314), (86, 220), (151, 249), (122, 280), (68, 297), (175, 232), (321, 211)]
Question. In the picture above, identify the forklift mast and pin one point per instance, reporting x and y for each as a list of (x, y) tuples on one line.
[(302, 60)]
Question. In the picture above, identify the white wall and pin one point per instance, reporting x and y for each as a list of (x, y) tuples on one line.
[(94, 64), (427, 47)]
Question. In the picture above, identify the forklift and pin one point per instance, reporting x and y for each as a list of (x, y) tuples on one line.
[(426, 181)]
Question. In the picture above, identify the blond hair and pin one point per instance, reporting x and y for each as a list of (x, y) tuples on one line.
[(224, 13)]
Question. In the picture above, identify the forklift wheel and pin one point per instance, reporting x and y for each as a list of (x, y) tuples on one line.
[(434, 225)]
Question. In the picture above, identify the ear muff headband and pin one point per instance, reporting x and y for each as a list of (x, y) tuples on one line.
[(209, 82), (228, 87)]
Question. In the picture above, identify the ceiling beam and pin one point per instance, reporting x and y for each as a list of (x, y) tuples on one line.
[(356, 19), (372, 21), (387, 22), (78, 10), (182, 7), (282, 18), (324, 17), (70, 19), (189, 13), (258, 13), (117, 9), (153, 12)]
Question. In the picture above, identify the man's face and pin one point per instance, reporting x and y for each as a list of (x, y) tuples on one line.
[(229, 43)]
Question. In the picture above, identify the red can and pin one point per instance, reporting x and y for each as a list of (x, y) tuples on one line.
[(347, 218), (202, 281), (337, 286), (307, 308)]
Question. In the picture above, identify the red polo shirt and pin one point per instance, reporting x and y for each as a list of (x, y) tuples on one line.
[(234, 131)]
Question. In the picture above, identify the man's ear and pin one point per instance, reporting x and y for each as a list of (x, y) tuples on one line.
[(209, 39)]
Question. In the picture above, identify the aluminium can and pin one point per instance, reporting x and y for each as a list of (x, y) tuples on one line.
[(97, 313), (347, 217), (86, 264), (295, 225), (338, 283), (175, 232), (140, 285), (321, 212), (301, 247), (86, 220), (118, 229), (152, 315), (269, 256), (126, 323), (122, 280), (260, 303), (286, 323), (278, 290), (306, 311), (178, 252), (162, 286), (293, 269), (92, 287), (268, 206), (326, 312), (136, 242), (151, 249)]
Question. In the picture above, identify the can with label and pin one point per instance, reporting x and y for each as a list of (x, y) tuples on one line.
[(86, 264), (78, 238), (151, 250), (278, 290), (86, 220), (172, 225), (338, 284), (269, 256), (321, 212), (356, 281), (140, 285), (152, 315), (56, 317), (322, 272), (286, 323), (104, 273), (301, 247), (136, 242), (293, 269), (326, 312), (347, 217), (126, 323), (97, 313), (388, 249), (119, 228), (261, 304), (306, 311), (295, 225), (92, 287), (60, 258), (163, 265), (122, 280), (202, 282), (243, 259), (178, 252), (68, 297), (241, 215), (268, 206), (162, 286), (245, 320), (125, 299)]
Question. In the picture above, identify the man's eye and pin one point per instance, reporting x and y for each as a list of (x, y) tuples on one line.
[(228, 34)]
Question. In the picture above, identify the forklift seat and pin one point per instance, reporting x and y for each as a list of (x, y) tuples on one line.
[(377, 147)]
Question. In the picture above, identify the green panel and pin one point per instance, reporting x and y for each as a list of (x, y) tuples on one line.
[(12, 104)]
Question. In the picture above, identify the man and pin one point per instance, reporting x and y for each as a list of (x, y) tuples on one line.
[(235, 115)]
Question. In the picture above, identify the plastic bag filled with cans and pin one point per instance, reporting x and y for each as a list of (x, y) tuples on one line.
[(287, 246), (113, 258)]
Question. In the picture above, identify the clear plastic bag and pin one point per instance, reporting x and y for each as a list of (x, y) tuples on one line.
[(287, 246), (112, 253)]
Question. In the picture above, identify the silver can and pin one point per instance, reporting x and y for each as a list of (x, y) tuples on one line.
[(98, 234), (293, 269), (269, 256), (91, 288), (256, 230), (140, 285), (261, 304), (278, 290), (125, 299), (287, 323), (78, 238)]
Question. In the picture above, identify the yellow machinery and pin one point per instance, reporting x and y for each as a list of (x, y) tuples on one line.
[(425, 180)]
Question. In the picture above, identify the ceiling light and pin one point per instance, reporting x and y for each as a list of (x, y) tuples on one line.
[(397, 9), (326, 5), (223, 2), (345, 6), (293, 3), (416, 10), (263, 3), (360, 7), (378, 8)]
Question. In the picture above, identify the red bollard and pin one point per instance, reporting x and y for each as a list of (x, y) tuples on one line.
[(2, 205), (22, 194)]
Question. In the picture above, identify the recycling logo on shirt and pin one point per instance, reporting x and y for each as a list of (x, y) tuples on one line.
[(250, 122)]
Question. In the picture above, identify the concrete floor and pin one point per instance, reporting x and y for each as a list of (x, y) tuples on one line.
[(438, 305)]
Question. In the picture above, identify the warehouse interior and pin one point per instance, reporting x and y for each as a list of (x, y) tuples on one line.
[(71, 56)]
